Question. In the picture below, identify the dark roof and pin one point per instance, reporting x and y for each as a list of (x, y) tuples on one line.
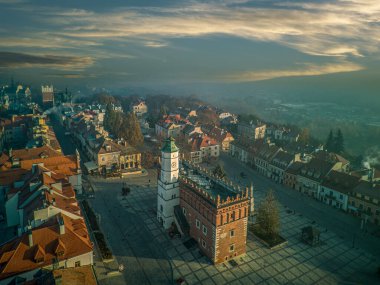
[(295, 168), (282, 159), (368, 189), (340, 181), (316, 169), (331, 157)]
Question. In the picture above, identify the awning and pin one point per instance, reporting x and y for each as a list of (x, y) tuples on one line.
[(91, 165)]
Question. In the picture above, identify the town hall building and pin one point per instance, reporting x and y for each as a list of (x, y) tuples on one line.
[(211, 211)]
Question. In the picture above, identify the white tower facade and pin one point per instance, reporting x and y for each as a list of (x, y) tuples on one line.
[(168, 185)]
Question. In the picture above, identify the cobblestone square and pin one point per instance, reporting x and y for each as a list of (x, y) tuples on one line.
[(294, 263)]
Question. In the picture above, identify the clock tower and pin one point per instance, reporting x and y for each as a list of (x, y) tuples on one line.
[(168, 185)]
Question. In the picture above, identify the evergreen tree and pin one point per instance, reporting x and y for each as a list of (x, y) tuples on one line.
[(339, 142), (109, 118), (268, 216), (330, 142)]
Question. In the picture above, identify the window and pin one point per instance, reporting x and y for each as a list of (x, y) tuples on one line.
[(232, 233), (203, 243), (340, 196), (232, 247), (77, 263), (184, 210), (161, 208), (377, 212), (204, 230), (197, 223), (173, 196), (233, 216)]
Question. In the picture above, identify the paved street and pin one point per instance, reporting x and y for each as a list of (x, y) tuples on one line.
[(68, 147), (136, 239), (131, 240)]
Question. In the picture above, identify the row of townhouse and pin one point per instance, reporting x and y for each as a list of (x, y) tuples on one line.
[(41, 210), (200, 142), (206, 142), (323, 176)]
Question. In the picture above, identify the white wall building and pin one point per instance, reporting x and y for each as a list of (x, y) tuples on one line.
[(168, 185)]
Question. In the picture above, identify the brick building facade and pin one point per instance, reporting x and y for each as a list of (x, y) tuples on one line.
[(217, 215)]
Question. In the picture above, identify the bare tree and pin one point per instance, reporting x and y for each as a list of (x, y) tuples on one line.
[(268, 216)]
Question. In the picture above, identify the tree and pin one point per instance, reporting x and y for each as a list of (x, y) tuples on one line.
[(268, 217), (339, 142), (148, 159), (208, 116), (109, 118), (132, 129), (219, 172), (330, 142)]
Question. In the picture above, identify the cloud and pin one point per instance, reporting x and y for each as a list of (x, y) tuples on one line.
[(306, 70), (340, 28), (335, 28), (155, 44), (22, 60)]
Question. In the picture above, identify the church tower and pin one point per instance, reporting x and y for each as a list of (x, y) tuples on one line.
[(168, 185)]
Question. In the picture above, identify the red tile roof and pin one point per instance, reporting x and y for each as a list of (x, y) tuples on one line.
[(17, 256)]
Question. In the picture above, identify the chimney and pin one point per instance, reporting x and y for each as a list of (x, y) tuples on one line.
[(30, 237), (61, 226)]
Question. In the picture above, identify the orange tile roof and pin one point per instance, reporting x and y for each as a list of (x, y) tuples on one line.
[(17, 256), (8, 177), (66, 165), (35, 153)]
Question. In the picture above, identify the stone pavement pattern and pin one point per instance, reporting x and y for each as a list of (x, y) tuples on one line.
[(296, 263)]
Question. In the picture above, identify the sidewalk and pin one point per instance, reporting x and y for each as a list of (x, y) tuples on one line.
[(105, 271)]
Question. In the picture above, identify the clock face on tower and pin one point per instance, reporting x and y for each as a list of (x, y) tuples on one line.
[(174, 164)]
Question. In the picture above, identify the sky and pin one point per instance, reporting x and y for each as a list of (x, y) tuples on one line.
[(101, 43)]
